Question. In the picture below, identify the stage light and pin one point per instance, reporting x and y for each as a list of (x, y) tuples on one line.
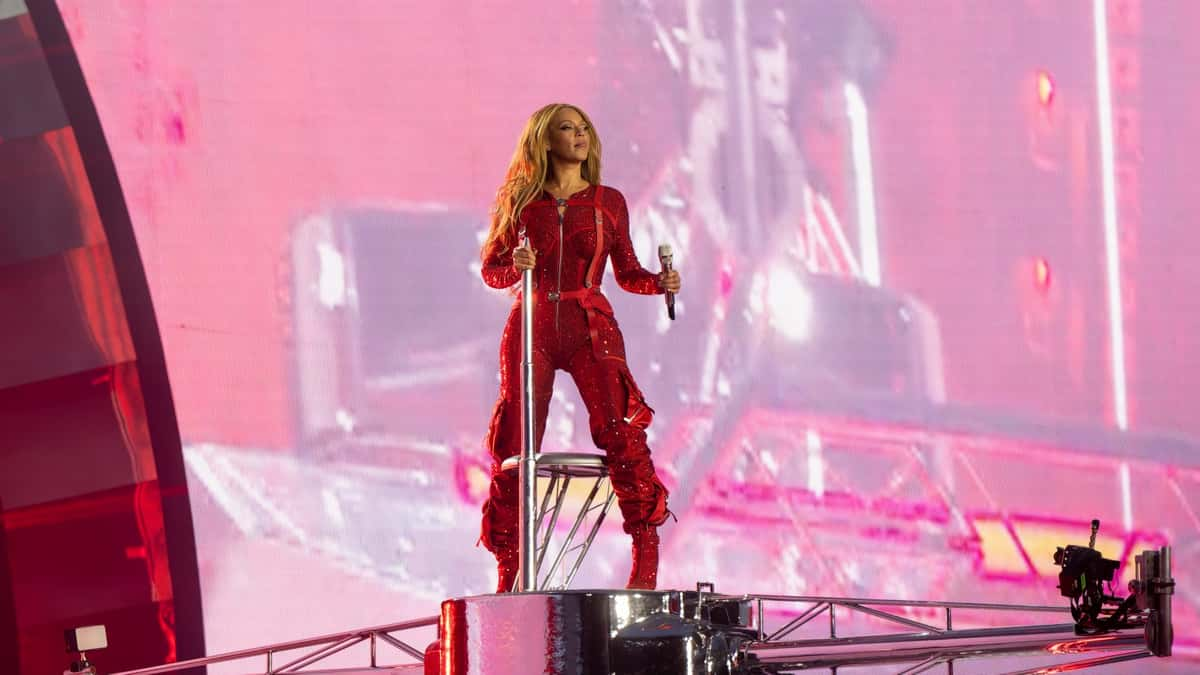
[(789, 303), (1045, 88), (1112, 225), (864, 183), (1041, 275)]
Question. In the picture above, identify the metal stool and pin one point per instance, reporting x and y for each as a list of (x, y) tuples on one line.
[(561, 468)]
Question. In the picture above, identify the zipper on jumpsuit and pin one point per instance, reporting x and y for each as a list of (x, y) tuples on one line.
[(558, 288)]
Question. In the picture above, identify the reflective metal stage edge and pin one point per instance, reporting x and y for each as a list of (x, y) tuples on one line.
[(704, 633), (701, 632)]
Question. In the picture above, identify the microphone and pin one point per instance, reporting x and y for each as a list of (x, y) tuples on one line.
[(664, 258)]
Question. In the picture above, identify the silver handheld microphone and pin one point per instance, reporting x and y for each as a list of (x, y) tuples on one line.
[(664, 258)]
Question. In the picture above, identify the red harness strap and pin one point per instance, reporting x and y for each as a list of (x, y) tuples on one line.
[(591, 271), (593, 302), (594, 305), (592, 278)]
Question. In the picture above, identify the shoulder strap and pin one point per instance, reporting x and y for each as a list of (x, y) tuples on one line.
[(591, 271)]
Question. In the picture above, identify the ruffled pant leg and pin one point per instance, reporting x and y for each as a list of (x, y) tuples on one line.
[(499, 528), (618, 416), (499, 531)]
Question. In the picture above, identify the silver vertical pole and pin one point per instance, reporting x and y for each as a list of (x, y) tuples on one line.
[(1165, 632), (527, 469)]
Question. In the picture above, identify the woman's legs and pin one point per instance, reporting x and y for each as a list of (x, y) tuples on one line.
[(618, 416), (500, 512)]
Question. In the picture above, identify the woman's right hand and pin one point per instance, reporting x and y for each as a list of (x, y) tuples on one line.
[(524, 258)]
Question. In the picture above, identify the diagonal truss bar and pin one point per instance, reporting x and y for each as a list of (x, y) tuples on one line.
[(571, 534), (808, 615), (313, 657), (402, 646), (269, 650), (923, 650), (558, 503), (895, 618), (587, 544), (923, 666)]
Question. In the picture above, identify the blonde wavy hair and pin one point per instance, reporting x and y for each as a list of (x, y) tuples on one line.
[(527, 174)]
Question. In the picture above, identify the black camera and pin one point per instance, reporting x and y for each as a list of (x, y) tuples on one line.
[(1085, 575), (1082, 579)]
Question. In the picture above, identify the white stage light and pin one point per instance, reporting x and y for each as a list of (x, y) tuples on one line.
[(789, 303)]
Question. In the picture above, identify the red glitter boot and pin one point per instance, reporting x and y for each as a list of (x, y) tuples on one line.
[(508, 563), (644, 575)]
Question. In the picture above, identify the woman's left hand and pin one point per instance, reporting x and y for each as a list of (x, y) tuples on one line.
[(669, 281)]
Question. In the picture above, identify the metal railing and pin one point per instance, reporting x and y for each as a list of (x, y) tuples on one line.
[(929, 645), (326, 646), (869, 606)]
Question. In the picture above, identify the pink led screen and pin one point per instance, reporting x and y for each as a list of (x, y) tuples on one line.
[(937, 277)]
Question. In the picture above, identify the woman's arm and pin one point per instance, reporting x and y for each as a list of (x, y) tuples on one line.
[(498, 270), (630, 274)]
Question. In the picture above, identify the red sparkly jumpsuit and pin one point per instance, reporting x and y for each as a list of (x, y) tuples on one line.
[(574, 330)]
